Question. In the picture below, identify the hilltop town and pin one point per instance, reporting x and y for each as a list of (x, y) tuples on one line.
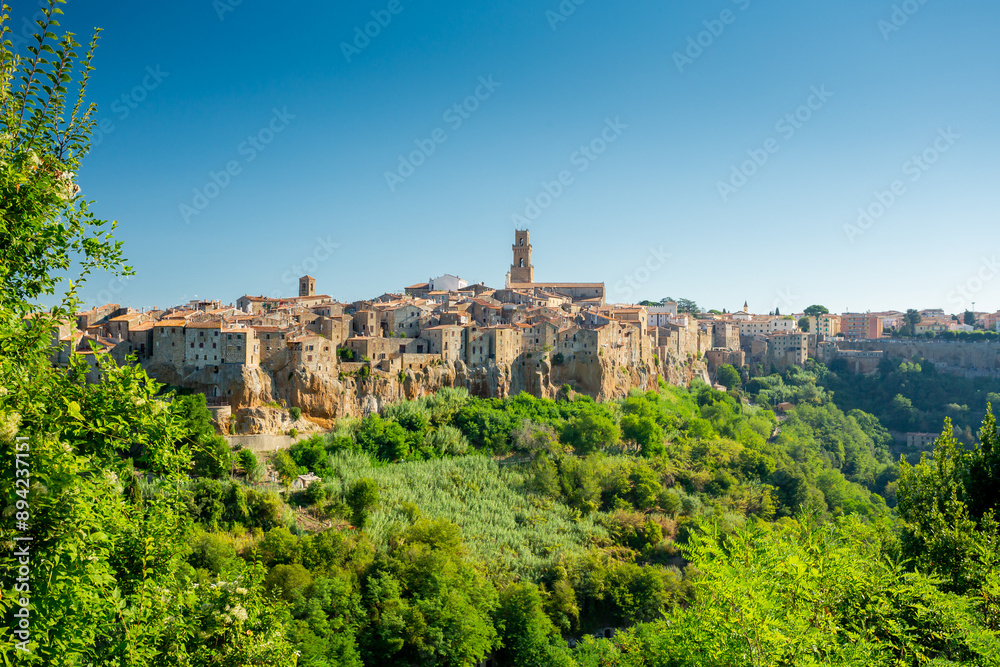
[(332, 359)]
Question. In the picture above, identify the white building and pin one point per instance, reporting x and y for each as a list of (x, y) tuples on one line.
[(662, 314), (447, 283)]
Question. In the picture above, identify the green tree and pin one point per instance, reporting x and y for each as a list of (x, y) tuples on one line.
[(910, 321), (816, 311), (948, 505), (728, 377), (645, 432), (688, 306), (527, 635), (591, 431), (804, 324), (249, 464), (110, 584), (969, 318), (362, 497)]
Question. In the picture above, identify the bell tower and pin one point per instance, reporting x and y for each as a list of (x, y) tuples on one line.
[(307, 286), (521, 271)]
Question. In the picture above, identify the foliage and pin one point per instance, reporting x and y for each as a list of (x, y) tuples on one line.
[(804, 594), (948, 505), (729, 377), (362, 496), (816, 311)]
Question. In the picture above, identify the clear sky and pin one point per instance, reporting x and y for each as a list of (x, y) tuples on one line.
[(715, 150)]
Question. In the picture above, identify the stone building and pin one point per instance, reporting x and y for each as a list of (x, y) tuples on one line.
[(787, 349), (505, 345), (726, 336), (240, 347), (273, 345), (367, 323), (307, 286), (521, 270), (202, 344), (168, 343), (447, 340), (311, 351), (522, 276)]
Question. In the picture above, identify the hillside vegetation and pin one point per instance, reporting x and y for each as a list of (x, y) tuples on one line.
[(686, 526)]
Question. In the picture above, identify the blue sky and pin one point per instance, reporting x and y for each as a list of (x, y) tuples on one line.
[(642, 107)]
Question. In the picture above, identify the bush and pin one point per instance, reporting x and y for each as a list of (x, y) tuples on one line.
[(295, 413), (249, 463), (362, 497)]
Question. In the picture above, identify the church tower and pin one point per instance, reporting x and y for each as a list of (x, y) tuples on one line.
[(521, 271), (307, 286)]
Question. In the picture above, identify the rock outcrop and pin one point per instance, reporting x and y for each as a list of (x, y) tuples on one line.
[(329, 396)]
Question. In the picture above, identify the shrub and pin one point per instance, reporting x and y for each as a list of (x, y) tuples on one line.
[(362, 497), (249, 463), (295, 413)]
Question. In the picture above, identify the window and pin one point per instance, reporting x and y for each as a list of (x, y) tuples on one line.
[(213, 346), (192, 344), (229, 336)]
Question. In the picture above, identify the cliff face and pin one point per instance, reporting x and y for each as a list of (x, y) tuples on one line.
[(953, 356), (327, 397)]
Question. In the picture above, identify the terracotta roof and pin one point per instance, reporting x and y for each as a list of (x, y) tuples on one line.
[(205, 325), (553, 285), (145, 326), (171, 323)]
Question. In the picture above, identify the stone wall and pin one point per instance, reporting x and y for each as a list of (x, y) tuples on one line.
[(264, 443), (961, 358)]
